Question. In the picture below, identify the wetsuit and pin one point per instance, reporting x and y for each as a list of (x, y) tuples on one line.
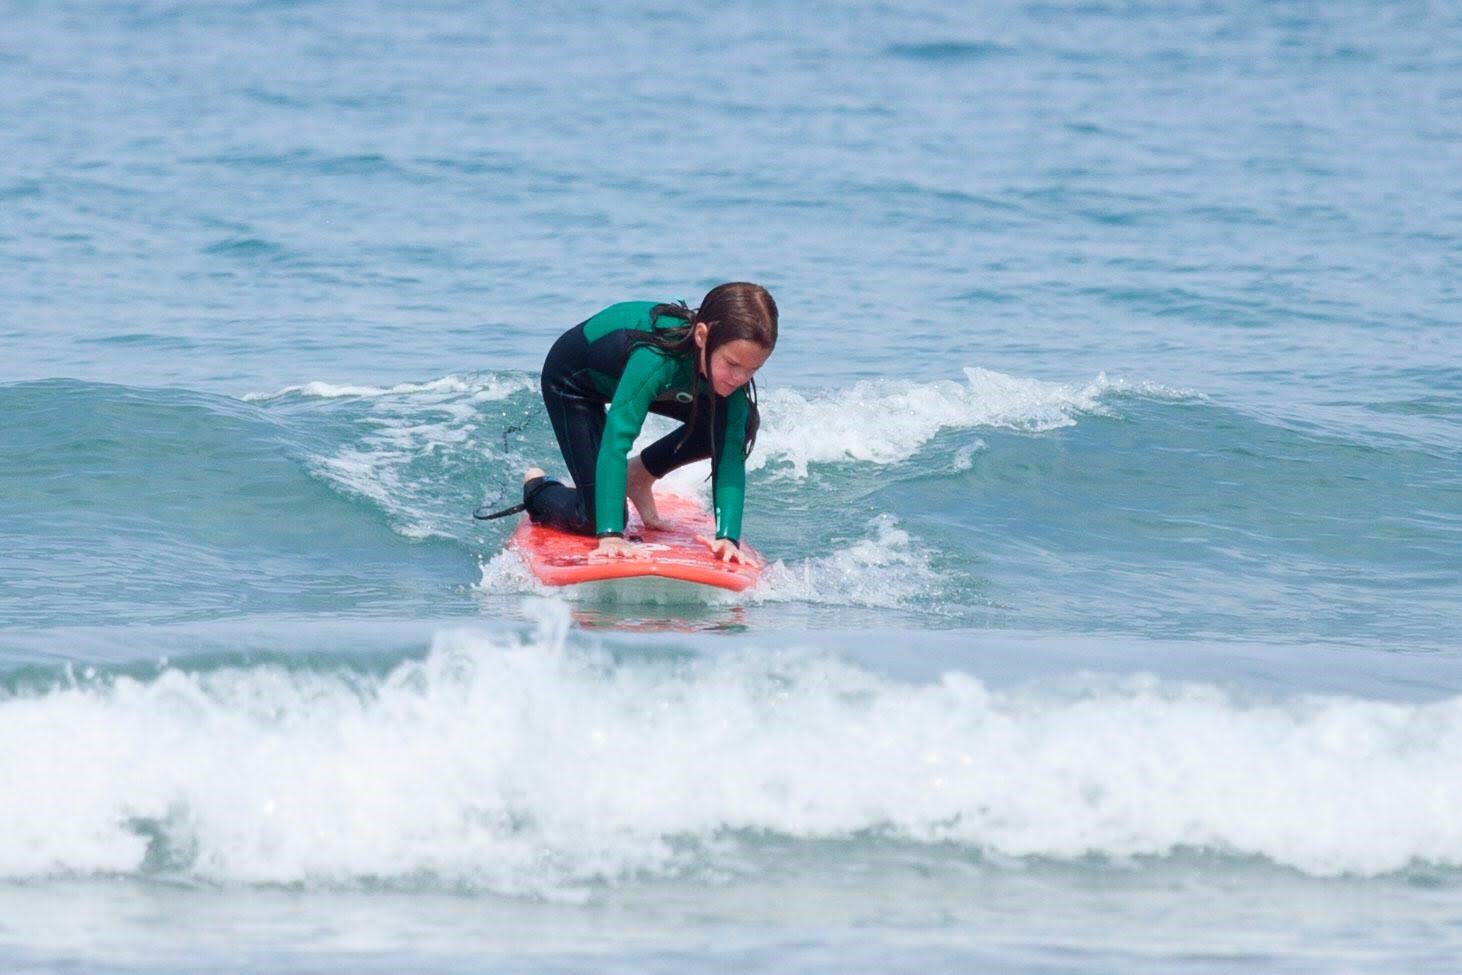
[(597, 365)]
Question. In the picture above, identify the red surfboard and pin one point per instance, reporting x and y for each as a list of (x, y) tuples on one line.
[(559, 559)]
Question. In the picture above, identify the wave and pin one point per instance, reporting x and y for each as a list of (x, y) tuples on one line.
[(887, 570), (526, 765), (480, 387), (413, 436), (888, 421), (383, 465), (405, 441), (412, 439), (339, 492)]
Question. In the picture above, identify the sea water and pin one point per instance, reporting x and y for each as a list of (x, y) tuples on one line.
[(1109, 480)]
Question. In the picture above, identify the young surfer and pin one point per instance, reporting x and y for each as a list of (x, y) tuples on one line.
[(605, 374)]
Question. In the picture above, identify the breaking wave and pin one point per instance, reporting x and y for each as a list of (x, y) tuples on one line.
[(531, 764)]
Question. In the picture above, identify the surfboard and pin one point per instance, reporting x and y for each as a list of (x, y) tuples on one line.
[(559, 559)]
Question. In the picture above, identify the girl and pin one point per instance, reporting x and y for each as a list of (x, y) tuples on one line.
[(693, 365)]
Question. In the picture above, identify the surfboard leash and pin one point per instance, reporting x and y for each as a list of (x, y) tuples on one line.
[(482, 514)]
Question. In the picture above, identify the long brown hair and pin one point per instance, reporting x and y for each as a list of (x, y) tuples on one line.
[(731, 311)]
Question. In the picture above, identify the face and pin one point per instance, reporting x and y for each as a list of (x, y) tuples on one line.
[(733, 364)]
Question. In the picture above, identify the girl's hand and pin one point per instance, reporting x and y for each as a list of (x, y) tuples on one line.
[(726, 550), (613, 547)]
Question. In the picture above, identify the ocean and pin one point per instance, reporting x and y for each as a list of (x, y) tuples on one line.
[(1109, 481)]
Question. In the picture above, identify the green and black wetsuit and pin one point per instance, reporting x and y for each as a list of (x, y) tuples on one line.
[(598, 364)]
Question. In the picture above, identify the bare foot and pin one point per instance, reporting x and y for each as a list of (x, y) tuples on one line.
[(637, 486), (532, 473)]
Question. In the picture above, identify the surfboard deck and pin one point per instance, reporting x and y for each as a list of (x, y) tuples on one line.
[(559, 559)]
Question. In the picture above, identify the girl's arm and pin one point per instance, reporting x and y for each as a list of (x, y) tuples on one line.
[(729, 491), (645, 374)]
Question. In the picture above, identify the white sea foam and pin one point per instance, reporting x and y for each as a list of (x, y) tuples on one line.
[(480, 388), (964, 457), (886, 570), (524, 766), (506, 572), (887, 421)]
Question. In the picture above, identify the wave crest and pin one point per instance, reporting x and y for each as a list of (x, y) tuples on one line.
[(525, 765), (480, 387), (887, 421)]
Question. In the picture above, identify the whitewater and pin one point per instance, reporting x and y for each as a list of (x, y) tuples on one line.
[(532, 766)]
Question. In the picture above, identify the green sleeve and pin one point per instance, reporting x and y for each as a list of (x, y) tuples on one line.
[(730, 488), (645, 374)]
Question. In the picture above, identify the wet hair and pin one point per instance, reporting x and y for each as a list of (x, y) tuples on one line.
[(731, 311)]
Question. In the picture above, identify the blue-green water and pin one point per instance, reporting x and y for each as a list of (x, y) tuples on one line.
[(1110, 477)]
